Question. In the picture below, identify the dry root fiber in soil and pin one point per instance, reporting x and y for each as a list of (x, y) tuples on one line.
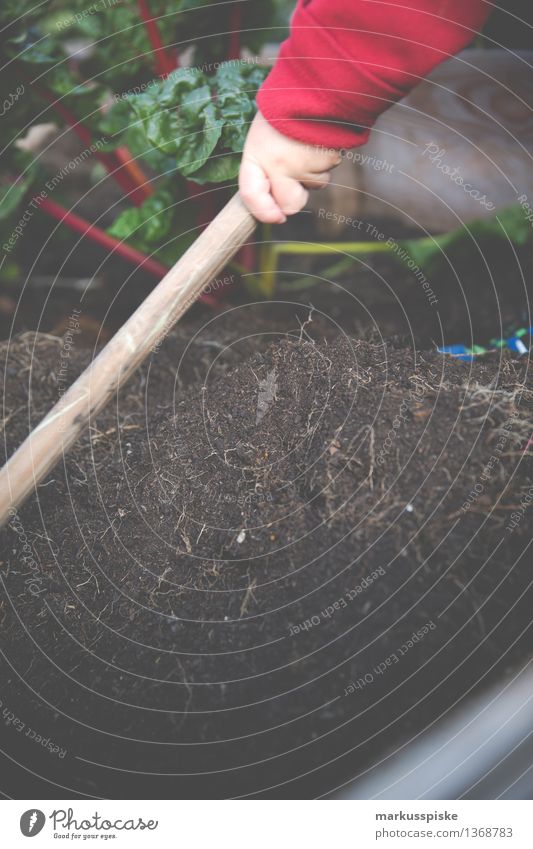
[(264, 567)]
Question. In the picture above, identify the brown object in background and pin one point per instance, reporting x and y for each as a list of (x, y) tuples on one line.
[(471, 119)]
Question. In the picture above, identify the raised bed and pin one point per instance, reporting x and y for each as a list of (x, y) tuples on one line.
[(225, 577)]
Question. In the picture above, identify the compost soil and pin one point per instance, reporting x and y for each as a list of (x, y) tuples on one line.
[(279, 555)]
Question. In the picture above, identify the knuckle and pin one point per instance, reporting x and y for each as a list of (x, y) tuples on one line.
[(246, 192)]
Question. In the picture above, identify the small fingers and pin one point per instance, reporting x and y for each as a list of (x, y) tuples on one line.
[(255, 190), (289, 194)]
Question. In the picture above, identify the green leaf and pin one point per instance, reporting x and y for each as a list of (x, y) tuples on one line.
[(185, 127), (116, 122), (162, 131), (236, 88), (218, 169), (12, 193), (160, 219), (11, 196), (178, 84), (148, 223)]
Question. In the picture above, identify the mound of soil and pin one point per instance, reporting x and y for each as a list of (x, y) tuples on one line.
[(269, 564)]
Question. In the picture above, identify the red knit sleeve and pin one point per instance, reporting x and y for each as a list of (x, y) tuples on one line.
[(346, 61)]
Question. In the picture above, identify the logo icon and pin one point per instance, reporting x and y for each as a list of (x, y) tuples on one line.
[(32, 822)]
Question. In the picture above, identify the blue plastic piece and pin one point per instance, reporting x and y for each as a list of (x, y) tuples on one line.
[(516, 345), (458, 351)]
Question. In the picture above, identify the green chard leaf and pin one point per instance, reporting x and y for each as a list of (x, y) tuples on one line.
[(159, 226), (236, 88), (218, 169), (197, 124)]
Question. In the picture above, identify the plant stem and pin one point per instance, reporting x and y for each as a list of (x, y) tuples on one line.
[(95, 234), (135, 192), (350, 248), (164, 64), (100, 237), (131, 179), (133, 169), (234, 50)]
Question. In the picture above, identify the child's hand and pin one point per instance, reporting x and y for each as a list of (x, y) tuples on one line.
[(276, 172)]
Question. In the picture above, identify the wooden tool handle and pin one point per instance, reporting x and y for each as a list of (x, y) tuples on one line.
[(143, 331)]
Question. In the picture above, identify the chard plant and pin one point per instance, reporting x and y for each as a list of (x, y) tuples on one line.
[(158, 92)]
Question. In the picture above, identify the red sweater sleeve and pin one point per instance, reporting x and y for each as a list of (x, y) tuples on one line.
[(346, 61)]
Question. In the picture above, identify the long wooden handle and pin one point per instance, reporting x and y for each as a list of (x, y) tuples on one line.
[(143, 331)]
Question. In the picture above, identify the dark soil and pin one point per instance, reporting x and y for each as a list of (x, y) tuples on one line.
[(236, 490)]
